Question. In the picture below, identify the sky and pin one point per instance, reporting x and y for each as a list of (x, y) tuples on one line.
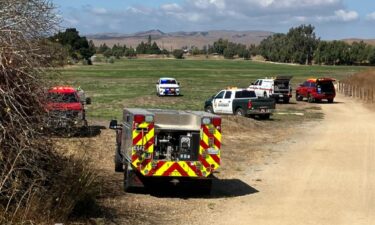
[(333, 19)]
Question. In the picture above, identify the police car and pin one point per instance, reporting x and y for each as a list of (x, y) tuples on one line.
[(167, 86)]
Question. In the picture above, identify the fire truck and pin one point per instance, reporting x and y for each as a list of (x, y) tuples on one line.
[(66, 109), (167, 145)]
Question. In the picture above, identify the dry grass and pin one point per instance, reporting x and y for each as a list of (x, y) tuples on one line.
[(363, 79)]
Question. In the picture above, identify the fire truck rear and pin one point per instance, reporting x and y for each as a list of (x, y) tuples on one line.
[(167, 145)]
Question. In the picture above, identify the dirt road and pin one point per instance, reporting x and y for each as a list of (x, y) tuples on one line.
[(321, 175), (325, 176)]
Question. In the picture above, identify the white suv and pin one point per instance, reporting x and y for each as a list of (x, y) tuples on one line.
[(167, 86)]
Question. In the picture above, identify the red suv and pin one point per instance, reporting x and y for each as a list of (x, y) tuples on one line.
[(316, 90), (65, 106)]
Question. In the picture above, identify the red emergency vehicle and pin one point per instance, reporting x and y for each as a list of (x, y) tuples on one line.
[(315, 90)]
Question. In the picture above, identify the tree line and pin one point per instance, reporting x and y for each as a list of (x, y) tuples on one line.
[(299, 45)]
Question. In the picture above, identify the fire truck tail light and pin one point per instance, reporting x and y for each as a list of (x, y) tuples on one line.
[(250, 104), (139, 118), (216, 121)]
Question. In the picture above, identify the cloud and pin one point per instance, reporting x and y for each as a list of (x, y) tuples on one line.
[(340, 16), (195, 15), (99, 11), (371, 16), (346, 16)]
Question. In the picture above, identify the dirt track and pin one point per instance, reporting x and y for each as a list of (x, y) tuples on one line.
[(326, 177)]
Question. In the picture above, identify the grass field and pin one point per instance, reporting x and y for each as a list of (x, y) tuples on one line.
[(131, 83)]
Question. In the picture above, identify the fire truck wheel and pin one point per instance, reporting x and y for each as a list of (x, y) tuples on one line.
[(127, 186), (206, 187), (119, 167), (286, 100)]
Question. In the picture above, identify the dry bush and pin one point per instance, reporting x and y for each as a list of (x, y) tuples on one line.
[(364, 79), (36, 183)]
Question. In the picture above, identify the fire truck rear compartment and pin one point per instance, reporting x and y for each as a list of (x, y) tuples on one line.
[(175, 145)]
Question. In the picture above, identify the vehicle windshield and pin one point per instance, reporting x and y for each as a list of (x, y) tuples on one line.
[(168, 82), (326, 86), (62, 98)]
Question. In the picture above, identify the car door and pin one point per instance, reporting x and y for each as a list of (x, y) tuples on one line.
[(227, 102), (304, 89), (216, 103), (259, 90), (157, 86)]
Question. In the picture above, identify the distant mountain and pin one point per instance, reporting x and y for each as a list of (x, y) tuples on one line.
[(177, 40), (367, 41)]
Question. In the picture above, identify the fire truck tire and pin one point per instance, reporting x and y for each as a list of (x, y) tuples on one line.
[(330, 100), (286, 100), (119, 167), (127, 186), (206, 186)]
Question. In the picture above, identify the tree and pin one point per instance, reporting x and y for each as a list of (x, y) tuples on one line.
[(219, 46), (154, 49), (78, 46), (108, 53), (229, 51), (102, 48), (371, 57), (34, 176), (130, 53), (178, 53)]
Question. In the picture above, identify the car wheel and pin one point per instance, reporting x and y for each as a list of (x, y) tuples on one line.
[(209, 109), (298, 97), (264, 117), (310, 98), (286, 100), (240, 112), (330, 100)]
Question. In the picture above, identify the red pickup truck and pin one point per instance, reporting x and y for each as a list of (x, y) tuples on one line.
[(316, 90), (65, 107)]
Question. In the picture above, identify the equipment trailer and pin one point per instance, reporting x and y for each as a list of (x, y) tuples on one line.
[(167, 145)]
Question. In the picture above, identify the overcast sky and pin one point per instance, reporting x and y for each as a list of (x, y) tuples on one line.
[(333, 19)]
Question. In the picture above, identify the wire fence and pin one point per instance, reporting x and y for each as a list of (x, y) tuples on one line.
[(357, 92)]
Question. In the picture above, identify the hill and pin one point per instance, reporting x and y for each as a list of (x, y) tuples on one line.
[(367, 41), (176, 40)]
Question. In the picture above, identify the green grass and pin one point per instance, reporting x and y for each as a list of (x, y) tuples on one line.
[(131, 83)]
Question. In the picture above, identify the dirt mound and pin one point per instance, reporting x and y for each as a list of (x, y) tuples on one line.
[(237, 124)]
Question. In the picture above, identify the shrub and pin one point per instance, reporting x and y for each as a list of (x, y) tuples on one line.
[(178, 54)]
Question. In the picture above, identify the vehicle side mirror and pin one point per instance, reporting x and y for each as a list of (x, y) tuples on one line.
[(88, 101), (252, 83), (178, 83), (113, 125)]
